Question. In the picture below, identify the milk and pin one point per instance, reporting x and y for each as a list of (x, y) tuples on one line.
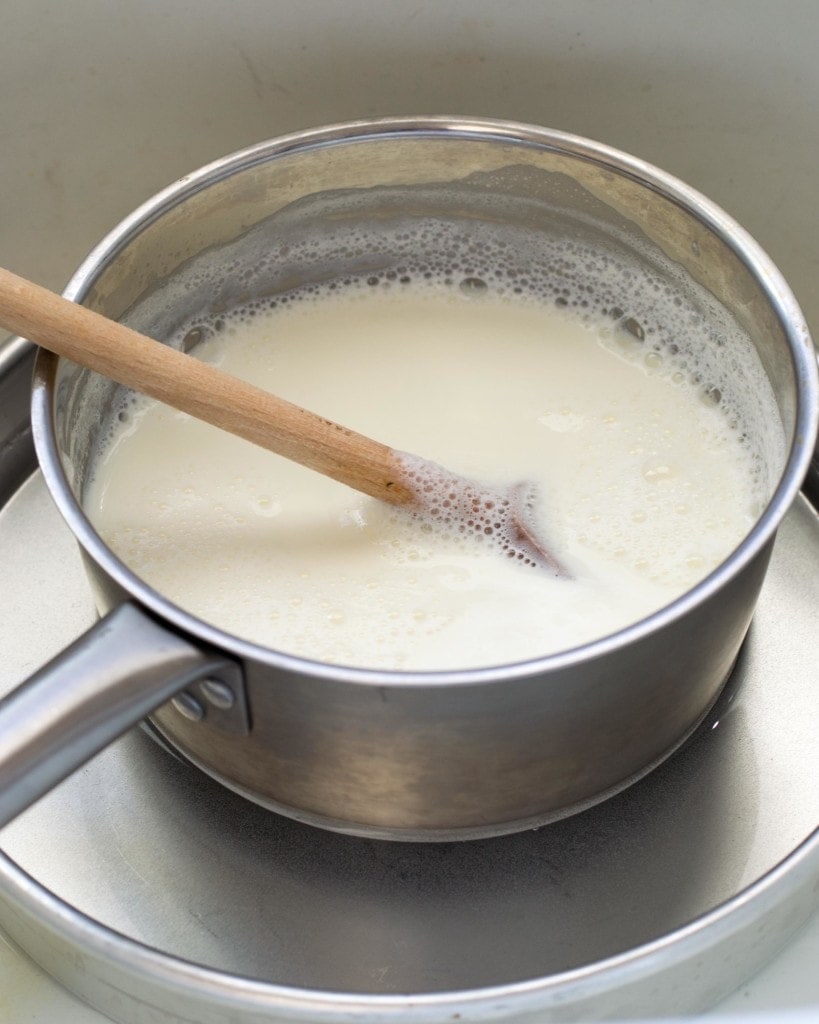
[(644, 480)]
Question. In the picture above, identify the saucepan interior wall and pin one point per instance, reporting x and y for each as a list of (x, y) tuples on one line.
[(522, 220)]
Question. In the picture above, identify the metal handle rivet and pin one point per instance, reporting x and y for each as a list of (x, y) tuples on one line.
[(218, 694), (186, 704)]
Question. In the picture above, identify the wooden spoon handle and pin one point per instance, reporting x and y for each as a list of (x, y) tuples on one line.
[(205, 392)]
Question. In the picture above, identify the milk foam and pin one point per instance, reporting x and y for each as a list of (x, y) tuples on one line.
[(649, 468), (654, 312)]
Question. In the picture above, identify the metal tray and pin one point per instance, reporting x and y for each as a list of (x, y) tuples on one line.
[(156, 895)]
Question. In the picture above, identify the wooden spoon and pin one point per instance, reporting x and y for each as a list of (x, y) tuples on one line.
[(500, 516)]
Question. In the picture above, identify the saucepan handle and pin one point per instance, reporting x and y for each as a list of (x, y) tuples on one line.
[(115, 674)]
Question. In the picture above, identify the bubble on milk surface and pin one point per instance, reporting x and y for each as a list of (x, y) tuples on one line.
[(465, 511)]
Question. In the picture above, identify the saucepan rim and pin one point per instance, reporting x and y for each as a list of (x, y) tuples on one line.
[(716, 220)]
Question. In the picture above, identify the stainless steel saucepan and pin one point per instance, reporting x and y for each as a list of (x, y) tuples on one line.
[(434, 755)]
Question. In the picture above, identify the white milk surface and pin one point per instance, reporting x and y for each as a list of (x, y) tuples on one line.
[(643, 483)]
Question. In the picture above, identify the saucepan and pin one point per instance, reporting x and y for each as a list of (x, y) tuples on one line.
[(431, 755)]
